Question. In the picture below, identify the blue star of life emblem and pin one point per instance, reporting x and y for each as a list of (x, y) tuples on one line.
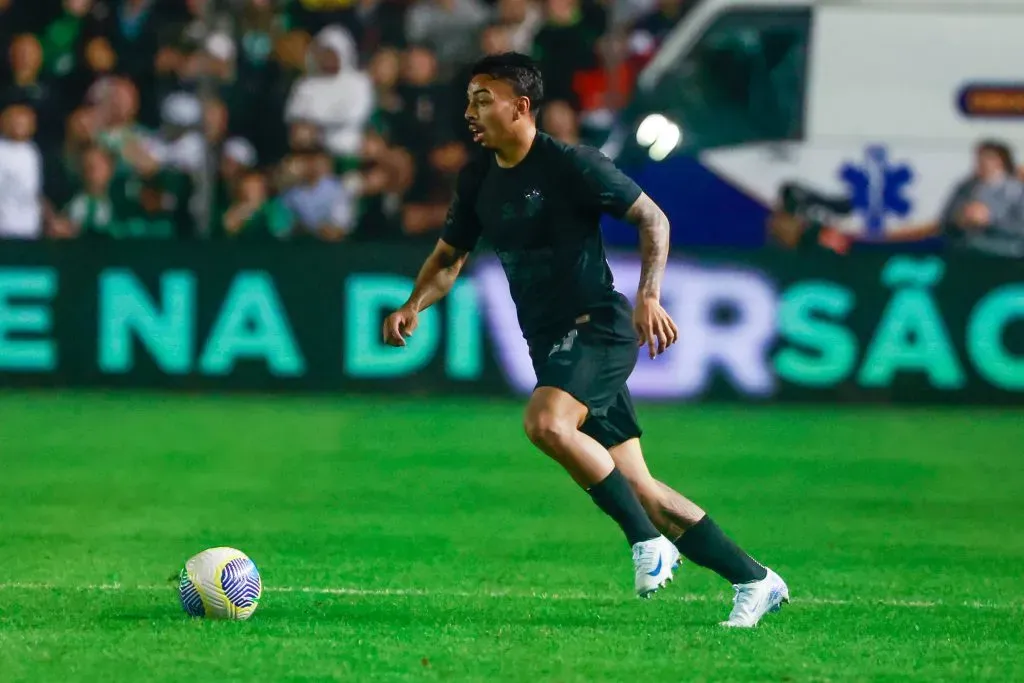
[(876, 188)]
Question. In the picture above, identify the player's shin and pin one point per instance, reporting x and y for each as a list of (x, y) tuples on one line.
[(705, 544), (617, 499), (591, 466)]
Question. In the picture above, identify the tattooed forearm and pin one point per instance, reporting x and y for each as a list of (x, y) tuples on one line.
[(653, 226)]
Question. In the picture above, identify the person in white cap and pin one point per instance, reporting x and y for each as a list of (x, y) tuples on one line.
[(181, 145), (237, 156)]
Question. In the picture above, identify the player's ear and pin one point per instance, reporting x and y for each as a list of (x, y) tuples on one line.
[(522, 109)]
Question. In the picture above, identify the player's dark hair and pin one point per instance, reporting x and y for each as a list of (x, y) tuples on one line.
[(519, 71)]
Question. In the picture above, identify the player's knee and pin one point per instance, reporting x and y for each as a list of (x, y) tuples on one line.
[(546, 429)]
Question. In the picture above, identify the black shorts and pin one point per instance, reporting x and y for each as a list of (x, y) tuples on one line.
[(594, 370)]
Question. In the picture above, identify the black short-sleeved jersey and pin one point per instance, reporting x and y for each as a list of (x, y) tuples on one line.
[(541, 217)]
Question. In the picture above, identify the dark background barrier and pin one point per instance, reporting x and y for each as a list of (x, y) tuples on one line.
[(755, 325)]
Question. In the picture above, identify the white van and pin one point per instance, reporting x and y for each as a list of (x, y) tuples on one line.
[(879, 101)]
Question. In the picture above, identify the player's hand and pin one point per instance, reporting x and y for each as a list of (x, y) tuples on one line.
[(653, 326), (399, 325)]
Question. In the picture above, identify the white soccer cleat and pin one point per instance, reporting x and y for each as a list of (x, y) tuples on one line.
[(654, 561), (755, 599)]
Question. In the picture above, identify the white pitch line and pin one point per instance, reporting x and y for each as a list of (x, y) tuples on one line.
[(422, 592)]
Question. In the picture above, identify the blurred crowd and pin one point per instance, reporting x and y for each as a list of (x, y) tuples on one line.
[(279, 119)]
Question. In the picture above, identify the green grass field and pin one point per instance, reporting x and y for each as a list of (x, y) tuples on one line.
[(401, 540)]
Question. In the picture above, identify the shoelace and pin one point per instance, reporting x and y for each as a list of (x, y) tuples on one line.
[(645, 555), (743, 598)]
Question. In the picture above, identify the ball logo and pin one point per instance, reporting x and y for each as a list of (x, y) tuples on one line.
[(220, 583)]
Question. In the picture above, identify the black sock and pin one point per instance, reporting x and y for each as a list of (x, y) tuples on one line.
[(617, 499), (706, 545)]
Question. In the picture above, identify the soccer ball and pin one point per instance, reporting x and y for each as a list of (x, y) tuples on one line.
[(220, 583)]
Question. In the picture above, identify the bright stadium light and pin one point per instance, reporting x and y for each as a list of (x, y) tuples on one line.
[(666, 141), (650, 128)]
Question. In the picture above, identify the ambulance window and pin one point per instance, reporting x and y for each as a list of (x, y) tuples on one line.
[(744, 79)]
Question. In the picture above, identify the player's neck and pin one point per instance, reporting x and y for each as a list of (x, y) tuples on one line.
[(518, 147)]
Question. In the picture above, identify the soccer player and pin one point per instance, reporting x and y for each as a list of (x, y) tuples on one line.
[(537, 203)]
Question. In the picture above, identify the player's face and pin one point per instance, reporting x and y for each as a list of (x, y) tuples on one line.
[(491, 111)]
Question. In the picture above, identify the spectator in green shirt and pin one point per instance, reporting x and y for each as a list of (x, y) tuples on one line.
[(255, 216), (115, 106), (91, 212), (62, 37), (122, 205)]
